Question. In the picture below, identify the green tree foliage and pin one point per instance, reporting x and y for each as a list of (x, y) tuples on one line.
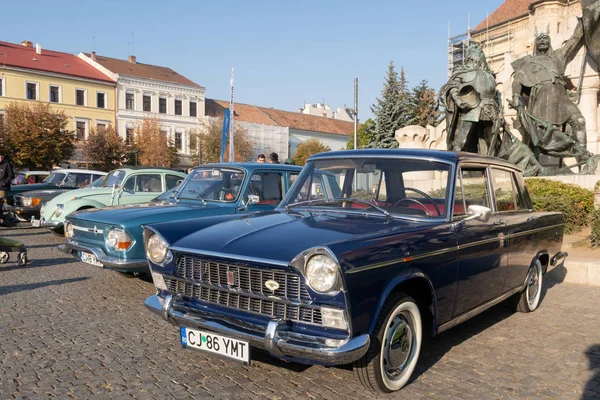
[(210, 142), (364, 135), (576, 203), (307, 149), (105, 149), (391, 110), (424, 108), (156, 149), (35, 136)]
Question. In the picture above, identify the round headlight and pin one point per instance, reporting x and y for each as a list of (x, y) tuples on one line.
[(59, 209), (27, 201), (321, 273), (156, 249), (111, 239), (68, 230)]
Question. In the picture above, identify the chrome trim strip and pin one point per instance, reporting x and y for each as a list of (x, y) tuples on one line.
[(481, 242), (95, 230), (229, 256), (477, 310), (513, 235)]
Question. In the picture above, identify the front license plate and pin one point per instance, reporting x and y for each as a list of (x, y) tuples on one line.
[(90, 259), (231, 348)]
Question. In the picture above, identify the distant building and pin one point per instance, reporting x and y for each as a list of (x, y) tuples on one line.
[(145, 90), (281, 131), (508, 34), (321, 110), (31, 73)]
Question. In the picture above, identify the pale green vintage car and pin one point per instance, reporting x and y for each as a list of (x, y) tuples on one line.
[(121, 186)]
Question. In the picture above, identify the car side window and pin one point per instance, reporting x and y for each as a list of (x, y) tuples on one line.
[(313, 189), (268, 186), (504, 190), (172, 181), (471, 189), (147, 183), (292, 178), (523, 202)]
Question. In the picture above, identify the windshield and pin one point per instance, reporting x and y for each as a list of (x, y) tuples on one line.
[(390, 187), (55, 178), (18, 179), (212, 184), (113, 178), (96, 183)]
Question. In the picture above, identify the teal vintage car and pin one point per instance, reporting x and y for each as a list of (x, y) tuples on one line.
[(112, 237), (121, 186)]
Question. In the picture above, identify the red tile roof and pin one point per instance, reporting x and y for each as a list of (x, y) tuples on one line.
[(17, 55), (509, 10), (141, 70), (270, 116)]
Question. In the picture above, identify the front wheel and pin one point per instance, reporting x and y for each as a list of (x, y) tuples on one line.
[(529, 299), (394, 351)]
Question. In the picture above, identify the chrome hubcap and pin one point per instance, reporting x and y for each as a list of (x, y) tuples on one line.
[(533, 287), (398, 346)]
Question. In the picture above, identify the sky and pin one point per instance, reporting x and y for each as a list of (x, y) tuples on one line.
[(285, 52)]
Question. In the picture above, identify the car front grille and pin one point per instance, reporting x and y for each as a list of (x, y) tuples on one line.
[(251, 280), (18, 201), (263, 306), (243, 287)]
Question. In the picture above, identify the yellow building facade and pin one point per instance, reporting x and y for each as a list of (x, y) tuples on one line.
[(61, 80)]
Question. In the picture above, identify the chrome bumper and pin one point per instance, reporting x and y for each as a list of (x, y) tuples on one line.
[(275, 338), (135, 265), (557, 260)]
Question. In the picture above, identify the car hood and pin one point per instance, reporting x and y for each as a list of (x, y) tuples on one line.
[(31, 186), (43, 193), (146, 213), (280, 236)]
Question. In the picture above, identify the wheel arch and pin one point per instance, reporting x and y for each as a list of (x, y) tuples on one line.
[(544, 258), (417, 285)]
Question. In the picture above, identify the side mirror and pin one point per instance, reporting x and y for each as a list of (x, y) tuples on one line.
[(479, 213), (252, 199)]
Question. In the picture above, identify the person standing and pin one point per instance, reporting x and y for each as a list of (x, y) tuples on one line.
[(274, 158), (6, 176), (261, 158)]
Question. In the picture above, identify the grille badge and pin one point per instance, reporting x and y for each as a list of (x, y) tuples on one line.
[(272, 285), (230, 278)]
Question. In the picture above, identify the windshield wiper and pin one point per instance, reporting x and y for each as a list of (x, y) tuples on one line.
[(198, 195), (340, 200)]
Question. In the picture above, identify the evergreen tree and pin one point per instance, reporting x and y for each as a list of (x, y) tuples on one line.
[(424, 108), (391, 110)]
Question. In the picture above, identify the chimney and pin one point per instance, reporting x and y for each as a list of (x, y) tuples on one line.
[(93, 55), (132, 59), (38, 48), (27, 43)]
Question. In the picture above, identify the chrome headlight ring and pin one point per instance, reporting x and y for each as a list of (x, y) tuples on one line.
[(157, 248), (321, 270), (118, 239), (68, 230), (60, 208)]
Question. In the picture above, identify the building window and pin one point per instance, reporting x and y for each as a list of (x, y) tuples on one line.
[(178, 140), (55, 94), (147, 103), (178, 107), (80, 97), (100, 99), (193, 109), (32, 91), (128, 135), (81, 130), (162, 105), (2, 87), (101, 127), (129, 101)]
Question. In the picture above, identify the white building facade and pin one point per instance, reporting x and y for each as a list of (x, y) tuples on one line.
[(177, 103), (321, 110)]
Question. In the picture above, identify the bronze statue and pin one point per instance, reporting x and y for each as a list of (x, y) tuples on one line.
[(471, 102), (540, 80)]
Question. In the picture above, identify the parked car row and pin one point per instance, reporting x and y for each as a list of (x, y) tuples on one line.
[(353, 259)]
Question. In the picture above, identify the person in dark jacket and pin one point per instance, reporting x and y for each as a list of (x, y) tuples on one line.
[(6, 176)]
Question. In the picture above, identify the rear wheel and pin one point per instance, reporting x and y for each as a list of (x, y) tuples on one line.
[(529, 299), (22, 259), (4, 257), (394, 350)]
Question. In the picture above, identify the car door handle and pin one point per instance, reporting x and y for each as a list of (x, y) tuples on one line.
[(499, 222), (531, 218)]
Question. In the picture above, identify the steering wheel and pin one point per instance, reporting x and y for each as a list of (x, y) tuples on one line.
[(428, 197)]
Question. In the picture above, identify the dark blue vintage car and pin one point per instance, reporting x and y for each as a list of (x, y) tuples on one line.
[(358, 267), (111, 237)]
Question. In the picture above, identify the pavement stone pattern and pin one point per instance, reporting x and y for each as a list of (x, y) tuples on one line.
[(72, 330)]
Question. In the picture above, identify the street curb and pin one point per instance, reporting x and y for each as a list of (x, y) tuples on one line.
[(579, 271)]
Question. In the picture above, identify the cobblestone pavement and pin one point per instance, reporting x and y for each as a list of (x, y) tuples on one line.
[(69, 329)]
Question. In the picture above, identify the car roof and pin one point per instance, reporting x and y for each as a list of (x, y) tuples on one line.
[(448, 156), (33, 172), (77, 170), (148, 169), (255, 165)]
